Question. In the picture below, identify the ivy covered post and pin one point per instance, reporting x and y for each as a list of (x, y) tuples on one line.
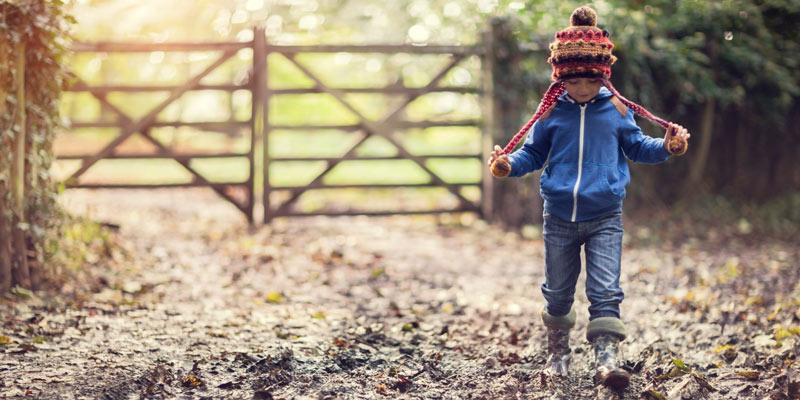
[(32, 42), (510, 202), (5, 211)]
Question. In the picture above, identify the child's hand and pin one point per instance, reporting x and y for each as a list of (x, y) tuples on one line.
[(677, 140), (498, 163)]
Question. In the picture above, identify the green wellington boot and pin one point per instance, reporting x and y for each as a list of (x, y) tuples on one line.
[(605, 333), (559, 353)]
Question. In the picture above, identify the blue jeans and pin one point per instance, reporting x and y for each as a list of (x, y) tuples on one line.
[(602, 239)]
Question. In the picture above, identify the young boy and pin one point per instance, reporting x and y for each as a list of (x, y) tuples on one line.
[(586, 130)]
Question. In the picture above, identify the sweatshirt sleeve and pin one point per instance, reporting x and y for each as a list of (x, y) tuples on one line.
[(639, 147), (533, 154)]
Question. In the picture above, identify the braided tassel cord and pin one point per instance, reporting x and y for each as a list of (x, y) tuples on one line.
[(550, 96), (500, 167), (675, 146), (635, 107)]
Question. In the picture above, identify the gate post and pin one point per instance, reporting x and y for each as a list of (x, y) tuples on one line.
[(511, 202), (261, 107)]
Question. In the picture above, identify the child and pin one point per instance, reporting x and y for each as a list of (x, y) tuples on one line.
[(584, 127)]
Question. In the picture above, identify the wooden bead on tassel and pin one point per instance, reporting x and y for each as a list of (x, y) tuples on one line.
[(675, 145), (501, 168)]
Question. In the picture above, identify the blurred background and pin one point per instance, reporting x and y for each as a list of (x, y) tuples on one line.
[(728, 71)]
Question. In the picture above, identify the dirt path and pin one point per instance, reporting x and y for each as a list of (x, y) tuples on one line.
[(408, 307)]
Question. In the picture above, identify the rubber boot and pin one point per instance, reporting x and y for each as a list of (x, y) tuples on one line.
[(605, 333), (608, 371), (558, 351)]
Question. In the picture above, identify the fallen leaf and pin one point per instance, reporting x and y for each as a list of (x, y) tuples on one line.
[(719, 349), (679, 363), (131, 287), (21, 292), (751, 375), (782, 333), (764, 341), (275, 298)]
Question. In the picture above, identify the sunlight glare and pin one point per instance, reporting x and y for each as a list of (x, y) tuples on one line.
[(445, 103), (239, 17), (418, 33), (342, 58), (516, 5), (169, 72), (94, 65), (245, 35), (433, 21), (254, 5), (448, 34), (245, 54), (487, 6), (418, 8), (460, 77), (452, 9), (374, 65), (308, 22), (194, 57), (222, 23), (274, 25), (156, 57)]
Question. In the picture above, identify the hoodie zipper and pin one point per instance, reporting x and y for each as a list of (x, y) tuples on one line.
[(580, 165)]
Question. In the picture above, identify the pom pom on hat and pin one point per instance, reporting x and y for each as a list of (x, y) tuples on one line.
[(583, 16)]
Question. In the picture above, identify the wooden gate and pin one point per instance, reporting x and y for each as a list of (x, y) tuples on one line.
[(239, 193), (365, 128), (280, 199)]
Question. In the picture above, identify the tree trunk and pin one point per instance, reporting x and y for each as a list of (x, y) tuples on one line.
[(5, 229), (19, 250), (511, 202), (706, 128), (701, 154)]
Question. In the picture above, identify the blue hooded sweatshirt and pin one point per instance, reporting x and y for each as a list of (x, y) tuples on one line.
[(587, 145)]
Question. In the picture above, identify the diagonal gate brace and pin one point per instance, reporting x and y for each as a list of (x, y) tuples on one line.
[(371, 128), (148, 119)]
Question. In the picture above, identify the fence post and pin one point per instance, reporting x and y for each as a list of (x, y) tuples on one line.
[(511, 202), (257, 99), (264, 96)]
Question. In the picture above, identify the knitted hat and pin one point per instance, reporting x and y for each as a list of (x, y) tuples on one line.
[(582, 50)]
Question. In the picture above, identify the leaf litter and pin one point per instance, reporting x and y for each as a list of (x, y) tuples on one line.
[(194, 304)]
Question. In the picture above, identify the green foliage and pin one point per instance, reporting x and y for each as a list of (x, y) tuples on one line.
[(41, 26), (674, 55)]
